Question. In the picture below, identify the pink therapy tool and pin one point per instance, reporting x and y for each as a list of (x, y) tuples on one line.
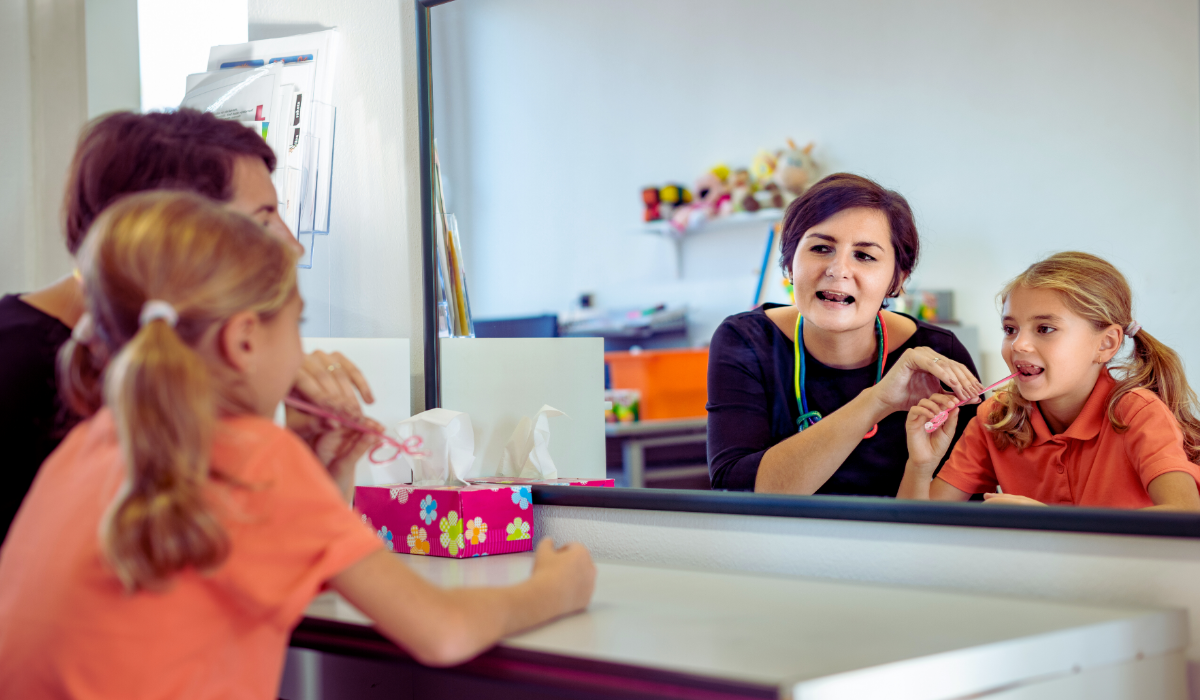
[(410, 446), (940, 418)]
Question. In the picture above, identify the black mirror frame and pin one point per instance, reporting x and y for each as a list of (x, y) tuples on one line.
[(1083, 520)]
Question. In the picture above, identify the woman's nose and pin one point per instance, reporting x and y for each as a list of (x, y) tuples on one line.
[(837, 268)]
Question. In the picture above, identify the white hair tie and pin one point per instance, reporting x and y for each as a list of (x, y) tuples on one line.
[(84, 330), (1133, 328), (157, 309)]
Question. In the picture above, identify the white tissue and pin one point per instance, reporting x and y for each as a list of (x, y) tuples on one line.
[(527, 454), (448, 444)]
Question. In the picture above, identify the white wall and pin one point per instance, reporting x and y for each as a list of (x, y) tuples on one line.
[(1108, 569), (1015, 128), (44, 106), (16, 151), (366, 276), (174, 38), (113, 70)]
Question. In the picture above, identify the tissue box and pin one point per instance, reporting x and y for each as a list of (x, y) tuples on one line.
[(449, 521), (512, 480)]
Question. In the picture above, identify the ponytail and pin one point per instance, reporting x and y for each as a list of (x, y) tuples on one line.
[(162, 272), (1156, 367), (164, 409)]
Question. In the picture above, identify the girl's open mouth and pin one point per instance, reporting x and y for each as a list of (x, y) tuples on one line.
[(836, 297), (1028, 370)]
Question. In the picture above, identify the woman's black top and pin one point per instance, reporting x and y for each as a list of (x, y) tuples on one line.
[(752, 404), (32, 419)]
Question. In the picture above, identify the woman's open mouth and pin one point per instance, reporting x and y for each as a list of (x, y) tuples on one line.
[(836, 297)]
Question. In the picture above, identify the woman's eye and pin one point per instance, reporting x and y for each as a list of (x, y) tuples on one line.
[(863, 256), (820, 249)]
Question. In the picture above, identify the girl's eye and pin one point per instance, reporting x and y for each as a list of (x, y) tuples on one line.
[(1046, 329), (1009, 330)]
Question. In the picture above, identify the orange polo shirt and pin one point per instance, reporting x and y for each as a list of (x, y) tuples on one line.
[(69, 630), (1089, 464)]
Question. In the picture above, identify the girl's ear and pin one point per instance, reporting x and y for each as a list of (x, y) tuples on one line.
[(898, 286), (239, 341), (1110, 343)]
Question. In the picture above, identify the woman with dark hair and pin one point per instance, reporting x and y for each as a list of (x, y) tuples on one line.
[(119, 154), (810, 398)]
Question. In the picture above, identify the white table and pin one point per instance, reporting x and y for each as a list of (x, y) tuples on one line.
[(813, 639)]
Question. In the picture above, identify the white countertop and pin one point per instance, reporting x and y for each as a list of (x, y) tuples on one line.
[(814, 638)]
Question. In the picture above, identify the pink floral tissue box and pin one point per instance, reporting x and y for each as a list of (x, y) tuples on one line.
[(449, 521), (509, 480)]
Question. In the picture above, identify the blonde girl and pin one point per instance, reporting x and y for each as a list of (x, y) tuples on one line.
[(1066, 430), (172, 541)]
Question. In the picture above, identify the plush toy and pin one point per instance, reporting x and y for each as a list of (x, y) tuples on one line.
[(650, 199), (741, 192), (770, 195), (795, 171), (711, 195), (762, 168), (661, 202), (671, 197)]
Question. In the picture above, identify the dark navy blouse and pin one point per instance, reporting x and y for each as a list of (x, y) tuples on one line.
[(752, 404)]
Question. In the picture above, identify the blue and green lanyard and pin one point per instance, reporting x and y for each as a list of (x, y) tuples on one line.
[(808, 418)]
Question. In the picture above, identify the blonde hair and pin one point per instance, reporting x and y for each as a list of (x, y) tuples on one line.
[(164, 391), (1096, 291)]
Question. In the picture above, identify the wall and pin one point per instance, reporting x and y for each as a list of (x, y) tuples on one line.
[(16, 151), (1015, 128), (365, 279), (113, 70), (45, 105), (1107, 569)]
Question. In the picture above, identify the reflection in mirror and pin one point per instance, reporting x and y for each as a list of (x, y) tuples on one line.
[(621, 170)]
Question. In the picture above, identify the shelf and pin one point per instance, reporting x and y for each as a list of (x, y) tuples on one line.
[(663, 228)]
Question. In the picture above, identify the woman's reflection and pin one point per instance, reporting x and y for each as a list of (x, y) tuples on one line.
[(810, 398)]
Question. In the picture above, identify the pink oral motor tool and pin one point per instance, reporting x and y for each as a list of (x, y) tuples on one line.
[(941, 418)]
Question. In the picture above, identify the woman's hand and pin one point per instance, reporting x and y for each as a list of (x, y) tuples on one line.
[(925, 450), (330, 381), (1008, 499), (918, 374), (568, 573), (339, 449)]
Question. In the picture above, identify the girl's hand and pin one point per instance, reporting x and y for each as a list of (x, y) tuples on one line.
[(340, 448), (568, 572), (330, 381), (925, 450), (919, 373), (1008, 499)]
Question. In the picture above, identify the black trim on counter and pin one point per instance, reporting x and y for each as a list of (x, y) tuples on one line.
[(881, 510), (537, 674)]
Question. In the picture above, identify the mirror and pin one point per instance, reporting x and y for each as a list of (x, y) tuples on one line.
[(1013, 129)]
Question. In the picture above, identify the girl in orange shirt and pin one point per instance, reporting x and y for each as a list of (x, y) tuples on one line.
[(1065, 431), (173, 540)]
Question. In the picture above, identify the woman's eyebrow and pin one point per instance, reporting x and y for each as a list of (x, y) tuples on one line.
[(867, 244)]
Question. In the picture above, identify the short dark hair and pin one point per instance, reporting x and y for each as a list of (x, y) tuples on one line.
[(842, 191), (123, 152)]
